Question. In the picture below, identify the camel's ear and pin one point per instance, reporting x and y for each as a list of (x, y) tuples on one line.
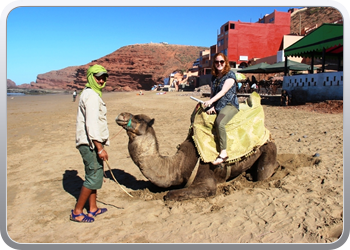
[(150, 123)]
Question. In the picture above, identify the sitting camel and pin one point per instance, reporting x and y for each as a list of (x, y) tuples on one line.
[(186, 170)]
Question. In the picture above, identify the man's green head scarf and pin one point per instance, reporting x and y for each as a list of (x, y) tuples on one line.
[(91, 80)]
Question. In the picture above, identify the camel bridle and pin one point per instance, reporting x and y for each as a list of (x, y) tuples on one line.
[(129, 122)]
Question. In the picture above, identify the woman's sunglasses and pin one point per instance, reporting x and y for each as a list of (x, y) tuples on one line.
[(221, 62)]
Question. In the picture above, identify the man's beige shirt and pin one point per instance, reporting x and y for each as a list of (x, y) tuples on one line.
[(91, 120)]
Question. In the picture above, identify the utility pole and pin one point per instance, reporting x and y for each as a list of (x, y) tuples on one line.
[(299, 25)]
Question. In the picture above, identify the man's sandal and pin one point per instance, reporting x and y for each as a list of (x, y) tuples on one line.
[(86, 218), (219, 160), (102, 210)]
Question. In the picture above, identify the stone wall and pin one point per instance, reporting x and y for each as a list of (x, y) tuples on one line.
[(315, 87)]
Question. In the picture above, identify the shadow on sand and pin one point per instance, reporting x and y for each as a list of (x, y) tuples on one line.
[(72, 183), (130, 181)]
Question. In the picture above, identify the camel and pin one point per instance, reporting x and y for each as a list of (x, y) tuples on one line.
[(184, 172)]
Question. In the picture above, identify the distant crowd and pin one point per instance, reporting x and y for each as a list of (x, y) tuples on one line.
[(268, 87)]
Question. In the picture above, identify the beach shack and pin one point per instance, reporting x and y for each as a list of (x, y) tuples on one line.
[(324, 42)]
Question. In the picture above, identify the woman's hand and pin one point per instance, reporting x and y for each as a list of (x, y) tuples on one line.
[(208, 103), (211, 111)]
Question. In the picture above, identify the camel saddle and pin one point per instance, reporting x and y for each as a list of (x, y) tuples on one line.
[(245, 132)]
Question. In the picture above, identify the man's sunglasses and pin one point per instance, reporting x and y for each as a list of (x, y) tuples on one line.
[(221, 62)]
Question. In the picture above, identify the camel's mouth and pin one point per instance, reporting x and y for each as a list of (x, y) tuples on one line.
[(122, 120)]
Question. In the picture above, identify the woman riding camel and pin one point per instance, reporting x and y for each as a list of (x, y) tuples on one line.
[(223, 100)]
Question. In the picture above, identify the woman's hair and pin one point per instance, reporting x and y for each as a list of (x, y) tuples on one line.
[(226, 69)]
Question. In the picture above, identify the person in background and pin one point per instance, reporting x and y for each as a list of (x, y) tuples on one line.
[(239, 87), (91, 138), (257, 87), (254, 87), (178, 79), (223, 100), (74, 95), (254, 79), (284, 98)]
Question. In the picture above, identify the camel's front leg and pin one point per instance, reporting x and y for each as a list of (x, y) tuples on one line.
[(204, 185)]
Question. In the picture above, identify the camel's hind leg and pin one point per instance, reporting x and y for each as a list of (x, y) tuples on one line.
[(204, 185), (267, 162)]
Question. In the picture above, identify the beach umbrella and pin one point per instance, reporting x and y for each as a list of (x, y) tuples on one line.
[(257, 68), (291, 65)]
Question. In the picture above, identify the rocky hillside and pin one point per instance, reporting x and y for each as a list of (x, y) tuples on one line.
[(131, 67), (141, 66), (56, 79), (10, 84), (310, 17)]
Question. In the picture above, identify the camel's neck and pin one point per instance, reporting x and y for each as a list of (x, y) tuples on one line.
[(143, 146), (156, 168)]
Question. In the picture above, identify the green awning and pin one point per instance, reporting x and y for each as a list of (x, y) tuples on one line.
[(326, 36), (291, 65), (257, 68)]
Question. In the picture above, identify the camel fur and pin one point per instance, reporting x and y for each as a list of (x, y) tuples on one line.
[(175, 171)]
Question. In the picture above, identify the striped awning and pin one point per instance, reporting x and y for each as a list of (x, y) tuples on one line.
[(327, 36)]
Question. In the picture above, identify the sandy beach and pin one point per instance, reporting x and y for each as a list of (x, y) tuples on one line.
[(301, 203)]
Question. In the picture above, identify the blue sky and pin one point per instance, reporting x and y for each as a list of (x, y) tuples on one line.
[(42, 39)]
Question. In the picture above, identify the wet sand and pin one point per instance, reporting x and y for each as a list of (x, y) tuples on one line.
[(301, 203)]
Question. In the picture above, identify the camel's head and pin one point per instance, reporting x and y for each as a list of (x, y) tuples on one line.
[(134, 124)]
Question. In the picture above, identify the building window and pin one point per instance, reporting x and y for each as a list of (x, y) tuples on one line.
[(220, 42), (272, 20), (226, 28), (232, 26)]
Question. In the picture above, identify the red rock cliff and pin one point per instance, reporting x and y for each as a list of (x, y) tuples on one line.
[(130, 68), (10, 84)]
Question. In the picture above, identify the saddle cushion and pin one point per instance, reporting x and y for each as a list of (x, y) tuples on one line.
[(245, 132)]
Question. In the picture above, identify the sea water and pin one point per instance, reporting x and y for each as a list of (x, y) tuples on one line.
[(15, 94)]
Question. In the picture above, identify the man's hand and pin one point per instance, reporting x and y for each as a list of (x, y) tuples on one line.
[(102, 153)]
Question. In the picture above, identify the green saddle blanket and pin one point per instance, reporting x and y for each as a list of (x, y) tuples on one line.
[(245, 132)]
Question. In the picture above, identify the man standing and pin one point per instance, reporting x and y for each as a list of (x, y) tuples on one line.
[(74, 95), (91, 136)]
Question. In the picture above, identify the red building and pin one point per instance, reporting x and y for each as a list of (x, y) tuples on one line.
[(242, 41)]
